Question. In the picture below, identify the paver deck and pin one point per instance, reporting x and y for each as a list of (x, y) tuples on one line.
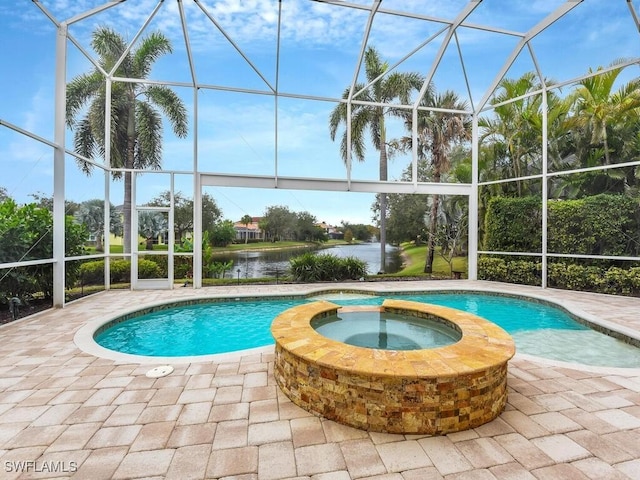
[(65, 413)]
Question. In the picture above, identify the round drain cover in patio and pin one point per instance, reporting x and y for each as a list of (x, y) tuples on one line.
[(161, 371)]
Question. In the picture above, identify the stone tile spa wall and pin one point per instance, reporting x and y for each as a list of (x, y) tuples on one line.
[(429, 391)]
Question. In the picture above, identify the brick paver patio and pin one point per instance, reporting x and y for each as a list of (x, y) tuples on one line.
[(65, 413)]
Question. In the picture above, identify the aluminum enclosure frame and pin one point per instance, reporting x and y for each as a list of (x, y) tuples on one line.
[(207, 178)]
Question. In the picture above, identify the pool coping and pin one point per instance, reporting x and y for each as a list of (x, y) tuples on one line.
[(84, 340)]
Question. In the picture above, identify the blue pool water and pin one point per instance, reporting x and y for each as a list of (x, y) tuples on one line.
[(222, 327), (385, 330)]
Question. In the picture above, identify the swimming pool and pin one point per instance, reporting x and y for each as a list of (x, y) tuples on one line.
[(227, 326)]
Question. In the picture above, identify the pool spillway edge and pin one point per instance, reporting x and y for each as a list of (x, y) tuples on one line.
[(429, 391)]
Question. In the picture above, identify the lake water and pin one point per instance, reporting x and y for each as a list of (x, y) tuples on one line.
[(275, 263)]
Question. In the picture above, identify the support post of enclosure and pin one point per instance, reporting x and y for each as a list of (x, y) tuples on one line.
[(196, 269), (196, 261), (58, 167), (545, 184), (472, 267)]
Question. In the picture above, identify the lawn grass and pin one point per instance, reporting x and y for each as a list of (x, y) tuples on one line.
[(415, 256), (283, 244), (120, 249), (234, 247)]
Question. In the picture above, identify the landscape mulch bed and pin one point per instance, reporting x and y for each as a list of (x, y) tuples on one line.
[(34, 306)]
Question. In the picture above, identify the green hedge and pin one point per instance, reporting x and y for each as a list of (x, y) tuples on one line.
[(181, 266), (523, 272), (92, 273), (597, 225), (513, 225), (612, 280)]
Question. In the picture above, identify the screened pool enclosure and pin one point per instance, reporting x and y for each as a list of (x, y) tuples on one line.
[(326, 106)]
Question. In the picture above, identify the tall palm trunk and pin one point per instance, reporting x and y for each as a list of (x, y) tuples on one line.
[(383, 197), (99, 245), (383, 232), (126, 214), (515, 158), (433, 226), (607, 157), (128, 176)]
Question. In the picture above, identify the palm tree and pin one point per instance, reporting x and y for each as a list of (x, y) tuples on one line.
[(599, 109), (150, 226), (246, 220), (386, 90), (136, 108), (91, 214), (511, 130), (438, 133)]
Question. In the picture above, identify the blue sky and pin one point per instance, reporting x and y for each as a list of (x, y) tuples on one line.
[(319, 48)]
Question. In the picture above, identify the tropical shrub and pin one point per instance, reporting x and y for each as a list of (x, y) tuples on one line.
[(162, 261), (119, 271), (353, 268), (149, 269), (492, 268), (218, 269), (523, 272), (92, 273), (311, 267), (304, 268), (182, 267), (26, 233)]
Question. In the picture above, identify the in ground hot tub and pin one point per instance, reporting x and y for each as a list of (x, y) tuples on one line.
[(376, 327), (420, 390)]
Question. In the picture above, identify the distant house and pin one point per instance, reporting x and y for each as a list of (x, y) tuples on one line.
[(332, 232), (251, 231)]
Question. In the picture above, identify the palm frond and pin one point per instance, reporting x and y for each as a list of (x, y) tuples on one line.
[(171, 105), (149, 51), (110, 46), (149, 137), (84, 144), (79, 91)]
